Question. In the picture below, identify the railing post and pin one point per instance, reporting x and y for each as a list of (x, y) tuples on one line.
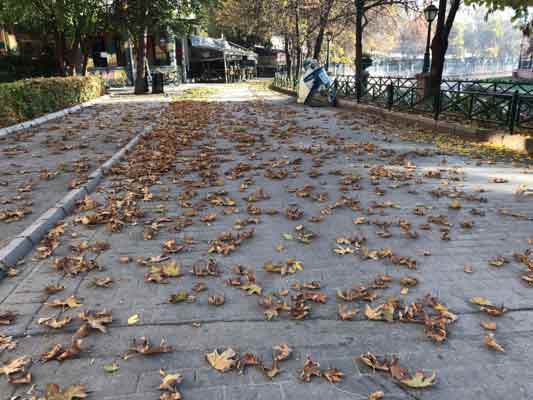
[(513, 111), (470, 106), (390, 96)]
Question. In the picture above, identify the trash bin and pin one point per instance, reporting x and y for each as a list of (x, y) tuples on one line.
[(158, 82)]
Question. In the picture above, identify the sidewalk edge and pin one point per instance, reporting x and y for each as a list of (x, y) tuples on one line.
[(24, 243)]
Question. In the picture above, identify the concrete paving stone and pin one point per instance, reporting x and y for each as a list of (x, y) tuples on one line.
[(465, 367)]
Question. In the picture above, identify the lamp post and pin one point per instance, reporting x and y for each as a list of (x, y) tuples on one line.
[(329, 35), (430, 13)]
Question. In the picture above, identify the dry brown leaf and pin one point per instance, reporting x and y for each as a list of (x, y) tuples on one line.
[(169, 381), (7, 318), (491, 343), (54, 323), (69, 302), (222, 362), (346, 314), (309, 370), (373, 362), (216, 299), (378, 395), (53, 392), (488, 325), (23, 379), (333, 375), (281, 352), (375, 314), (96, 320), (15, 365), (7, 343), (143, 346)]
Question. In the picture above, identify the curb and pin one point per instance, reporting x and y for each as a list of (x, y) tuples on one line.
[(23, 243), (48, 117)]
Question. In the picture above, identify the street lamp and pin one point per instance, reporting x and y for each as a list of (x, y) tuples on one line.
[(329, 36), (430, 13)]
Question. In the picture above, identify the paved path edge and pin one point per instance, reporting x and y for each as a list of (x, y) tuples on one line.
[(50, 116), (515, 142), (23, 243)]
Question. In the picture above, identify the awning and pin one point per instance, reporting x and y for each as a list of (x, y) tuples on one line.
[(221, 45)]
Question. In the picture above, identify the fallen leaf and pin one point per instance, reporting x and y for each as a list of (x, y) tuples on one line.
[(23, 379), (420, 380), (333, 375), (169, 381), (97, 320), (222, 362), (309, 370), (15, 365), (281, 352), (494, 311), (373, 362), (376, 395), (69, 302), (54, 323), (216, 299), (134, 319), (488, 325), (480, 301), (7, 343), (375, 314), (143, 346), (491, 343), (346, 314), (111, 368), (53, 392)]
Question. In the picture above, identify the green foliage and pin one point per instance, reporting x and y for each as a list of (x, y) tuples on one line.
[(520, 7), (139, 16), (14, 67), (31, 98)]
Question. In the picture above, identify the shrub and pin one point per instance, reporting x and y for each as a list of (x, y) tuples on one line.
[(31, 98)]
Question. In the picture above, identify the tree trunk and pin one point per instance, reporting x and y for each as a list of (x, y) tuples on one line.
[(141, 86), (439, 44), (318, 43), (288, 56), (323, 24), (84, 65), (359, 6), (77, 54), (60, 53), (297, 40)]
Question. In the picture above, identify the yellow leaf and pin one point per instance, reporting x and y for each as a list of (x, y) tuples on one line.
[(134, 319), (480, 301), (419, 380)]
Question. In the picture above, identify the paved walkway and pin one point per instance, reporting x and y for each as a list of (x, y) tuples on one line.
[(40, 165), (332, 207)]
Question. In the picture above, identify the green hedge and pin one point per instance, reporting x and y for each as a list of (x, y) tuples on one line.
[(31, 98)]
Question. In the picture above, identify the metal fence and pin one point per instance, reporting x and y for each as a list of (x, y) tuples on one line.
[(502, 104)]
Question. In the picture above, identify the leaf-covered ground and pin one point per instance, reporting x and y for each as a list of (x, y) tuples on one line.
[(253, 248), (40, 165)]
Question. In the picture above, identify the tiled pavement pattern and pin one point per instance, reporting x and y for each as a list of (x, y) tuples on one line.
[(320, 141), (39, 165)]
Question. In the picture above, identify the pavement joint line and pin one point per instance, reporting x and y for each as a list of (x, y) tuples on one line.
[(24, 243), (44, 332), (8, 130)]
